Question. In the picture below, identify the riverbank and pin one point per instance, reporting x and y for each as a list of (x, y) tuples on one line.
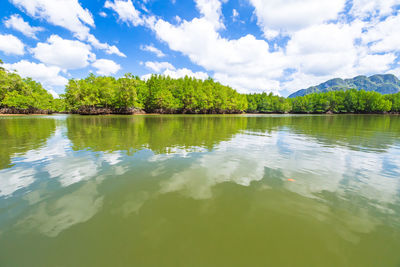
[(28, 111), (157, 114)]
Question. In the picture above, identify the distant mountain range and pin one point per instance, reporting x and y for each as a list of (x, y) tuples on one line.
[(381, 83)]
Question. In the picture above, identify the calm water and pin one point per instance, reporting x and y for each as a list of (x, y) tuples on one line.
[(200, 191)]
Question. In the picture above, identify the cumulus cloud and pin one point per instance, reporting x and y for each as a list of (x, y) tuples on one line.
[(243, 59), (158, 66), (383, 36), (47, 75), (106, 67), (211, 11), (17, 23), (322, 39), (11, 45), (282, 16), (69, 15), (321, 44), (323, 49), (66, 54), (180, 73), (167, 69), (367, 8), (126, 11), (152, 49)]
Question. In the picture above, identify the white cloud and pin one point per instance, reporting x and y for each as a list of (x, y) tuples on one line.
[(47, 75), (211, 11), (323, 49), (383, 36), (54, 93), (16, 22), (180, 73), (235, 14), (246, 58), (110, 49), (158, 66), (69, 15), (287, 16), (11, 45), (322, 41), (244, 84), (375, 63), (319, 47), (365, 8), (103, 14), (126, 11), (152, 49), (106, 67), (167, 69), (66, 54)]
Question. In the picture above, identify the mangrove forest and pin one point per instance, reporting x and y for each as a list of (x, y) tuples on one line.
[(162, 94)]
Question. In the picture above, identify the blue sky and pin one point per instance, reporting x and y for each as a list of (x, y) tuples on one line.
[(276, 46)]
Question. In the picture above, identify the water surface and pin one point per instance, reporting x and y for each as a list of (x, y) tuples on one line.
[(200, 190)]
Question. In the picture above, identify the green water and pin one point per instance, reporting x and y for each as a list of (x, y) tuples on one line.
[(200, 191)]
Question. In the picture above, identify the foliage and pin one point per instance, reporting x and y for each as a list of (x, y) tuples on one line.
[(348, 101), (19, 93), (162, 94), (157, 94), (267, 103)]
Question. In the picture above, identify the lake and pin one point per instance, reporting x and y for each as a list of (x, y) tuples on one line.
[(176, 190)]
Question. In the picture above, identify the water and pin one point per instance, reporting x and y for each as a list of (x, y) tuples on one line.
[(200, 191)]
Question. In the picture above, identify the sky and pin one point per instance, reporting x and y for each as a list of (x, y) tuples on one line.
[(277, 46)]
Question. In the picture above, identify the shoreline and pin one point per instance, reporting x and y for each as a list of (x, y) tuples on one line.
[(194, 114)]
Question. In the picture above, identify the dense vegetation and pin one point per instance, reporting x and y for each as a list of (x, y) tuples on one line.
[(268, 103), (19, 95), (349, 101), (160, 94)]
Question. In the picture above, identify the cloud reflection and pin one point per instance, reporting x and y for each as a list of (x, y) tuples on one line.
[(52, 217), (15, 179), (315, 167)]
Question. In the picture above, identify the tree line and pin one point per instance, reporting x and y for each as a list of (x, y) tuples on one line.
[(26, 95), (348, 101), (162, 94), (158, 94)]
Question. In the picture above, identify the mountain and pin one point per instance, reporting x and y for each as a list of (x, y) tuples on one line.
[(381, 83)]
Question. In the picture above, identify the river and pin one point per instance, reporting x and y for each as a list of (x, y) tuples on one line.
[(194, 190)]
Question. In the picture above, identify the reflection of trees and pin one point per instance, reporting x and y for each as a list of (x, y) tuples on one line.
[(158, 133), (161, 133), (354, 131), (18, 135)]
